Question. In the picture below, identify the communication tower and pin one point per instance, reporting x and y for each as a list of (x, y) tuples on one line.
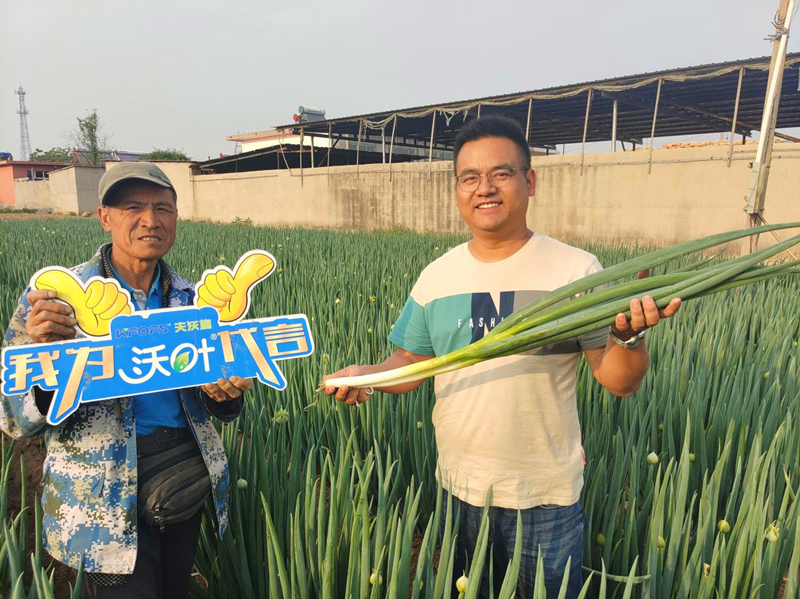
[(24, 136)]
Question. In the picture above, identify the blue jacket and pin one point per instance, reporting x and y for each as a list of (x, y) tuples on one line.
[(89, 478)]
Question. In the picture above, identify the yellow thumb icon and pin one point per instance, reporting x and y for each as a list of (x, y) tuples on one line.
[(229, 291), (94, 302)]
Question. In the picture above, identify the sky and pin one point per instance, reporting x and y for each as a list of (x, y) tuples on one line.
[(185, 74)]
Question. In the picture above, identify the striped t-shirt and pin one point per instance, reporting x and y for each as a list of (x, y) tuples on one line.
[(510, 423)]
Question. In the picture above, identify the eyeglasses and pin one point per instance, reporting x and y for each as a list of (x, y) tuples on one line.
[(497, 178)]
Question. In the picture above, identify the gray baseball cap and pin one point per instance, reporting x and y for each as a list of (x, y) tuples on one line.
[(145, 171)]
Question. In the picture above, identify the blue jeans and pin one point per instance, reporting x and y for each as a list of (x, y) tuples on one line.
[(556, 531)]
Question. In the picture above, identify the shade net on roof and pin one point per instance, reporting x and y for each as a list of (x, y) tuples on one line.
[(692, 101)]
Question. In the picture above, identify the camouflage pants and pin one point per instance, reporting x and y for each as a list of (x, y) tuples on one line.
[(163, 565)]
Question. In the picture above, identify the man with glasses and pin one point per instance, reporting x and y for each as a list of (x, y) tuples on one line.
[(509, 425)]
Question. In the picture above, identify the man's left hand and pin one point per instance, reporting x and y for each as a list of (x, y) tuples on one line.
[(644, 315), (227, 389)]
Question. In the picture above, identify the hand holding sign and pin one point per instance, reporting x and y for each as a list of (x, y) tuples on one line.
[(229, 292), (130, 353), (93, 303)]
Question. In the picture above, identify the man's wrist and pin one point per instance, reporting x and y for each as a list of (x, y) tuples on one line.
[(626, 339)]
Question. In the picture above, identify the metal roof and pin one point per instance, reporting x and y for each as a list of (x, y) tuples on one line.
[(288, 156), (693, 100)]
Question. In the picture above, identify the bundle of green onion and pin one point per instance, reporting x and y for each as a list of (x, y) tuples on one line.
[(550, 318)]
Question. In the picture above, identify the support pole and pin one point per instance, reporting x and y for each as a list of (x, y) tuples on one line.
[(653, 129), (358, 143), (779, 240), (528, 124), (330, 149), (383, 144), (283, 154), (614, 126), (479, 111), (391, 146), (586, 126), (430, 150), (735, 115), (312, 151), (760, 174), (302, 137)]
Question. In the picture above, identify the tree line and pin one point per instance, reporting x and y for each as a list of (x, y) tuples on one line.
[(93, 145)]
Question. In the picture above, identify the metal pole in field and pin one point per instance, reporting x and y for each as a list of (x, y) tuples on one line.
[(430, 150), (528, 124), (653, 129), (614, 126), (735, 114), (760, 173), (358, 143), (391, 146), (586, 126)]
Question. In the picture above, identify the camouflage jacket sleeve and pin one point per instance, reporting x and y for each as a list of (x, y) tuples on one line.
[(19, 415)]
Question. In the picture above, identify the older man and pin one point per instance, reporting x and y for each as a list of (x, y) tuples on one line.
[(510, 424), (125, 479)]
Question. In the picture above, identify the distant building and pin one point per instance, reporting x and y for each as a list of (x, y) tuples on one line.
[(30, 170), (251, 148), (274, 149), (271, 138), (81, 155)]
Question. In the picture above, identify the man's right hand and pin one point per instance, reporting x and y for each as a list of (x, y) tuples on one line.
[(353, 397), (49, 320), (344, 393), (94, 303)]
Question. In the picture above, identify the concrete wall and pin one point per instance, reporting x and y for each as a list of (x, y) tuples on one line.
[(32, 194), (74, 189), (63, 191), (347, 200), (69, 190), (87, 179), (687, 193), (10, 171)]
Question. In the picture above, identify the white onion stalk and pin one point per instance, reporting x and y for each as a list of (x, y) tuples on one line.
[(550, 318)]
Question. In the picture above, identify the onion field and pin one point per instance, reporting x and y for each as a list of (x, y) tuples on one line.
[(691, 484)]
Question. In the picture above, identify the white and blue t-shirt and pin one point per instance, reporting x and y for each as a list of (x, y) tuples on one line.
[(510, 423)]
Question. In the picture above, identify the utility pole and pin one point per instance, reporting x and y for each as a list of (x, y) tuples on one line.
[(24, 136), (761, 165)]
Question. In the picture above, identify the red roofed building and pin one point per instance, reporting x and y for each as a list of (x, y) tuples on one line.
[(31, 170)]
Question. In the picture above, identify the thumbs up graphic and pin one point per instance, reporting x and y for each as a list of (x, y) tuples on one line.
[(229, 292), (94, 302)]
